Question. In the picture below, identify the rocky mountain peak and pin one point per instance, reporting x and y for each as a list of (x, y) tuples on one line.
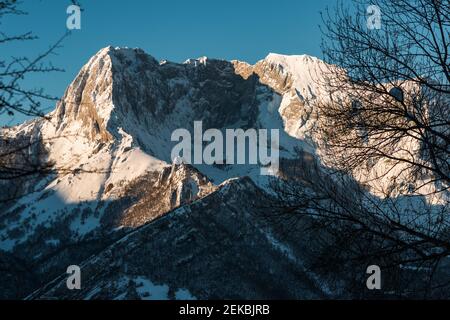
[(88, 102)]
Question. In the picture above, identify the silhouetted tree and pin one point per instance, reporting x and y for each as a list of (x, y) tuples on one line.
[(388, 108), (23, 156), (15, 96), (397, 83)]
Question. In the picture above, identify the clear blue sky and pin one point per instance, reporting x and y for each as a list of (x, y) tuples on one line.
[(171, 29)]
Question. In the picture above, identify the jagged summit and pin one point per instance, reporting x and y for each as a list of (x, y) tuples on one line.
[(124, 90), (117, 71), (305, 70), (276, 57), (199, 61), (111, 51)]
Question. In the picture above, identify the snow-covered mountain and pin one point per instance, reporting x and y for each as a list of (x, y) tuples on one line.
[(115, 121), (138, 224)]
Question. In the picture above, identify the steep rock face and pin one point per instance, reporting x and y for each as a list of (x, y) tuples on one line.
[(128, 90), (154, 194), (88, 99), (300, 81)]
